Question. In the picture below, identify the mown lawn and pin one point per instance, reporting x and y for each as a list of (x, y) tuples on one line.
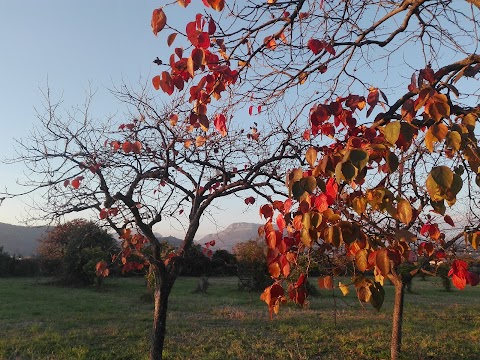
[(40, 321)]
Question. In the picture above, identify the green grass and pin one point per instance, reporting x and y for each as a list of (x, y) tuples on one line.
[(39, 321)]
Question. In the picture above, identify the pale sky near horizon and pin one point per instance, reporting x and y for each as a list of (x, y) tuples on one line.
[(72, 46)]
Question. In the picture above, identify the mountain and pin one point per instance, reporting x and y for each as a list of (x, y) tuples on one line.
[(172, 240), (20, 240), (232, 235)]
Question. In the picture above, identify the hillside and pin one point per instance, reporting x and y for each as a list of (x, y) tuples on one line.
[(20, 240), (232, 235)]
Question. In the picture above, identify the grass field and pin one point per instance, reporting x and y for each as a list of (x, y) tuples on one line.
[(40, 321)]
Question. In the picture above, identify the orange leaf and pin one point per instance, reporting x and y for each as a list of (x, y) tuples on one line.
[(216, 4), (270, 42), (159, 20), (184, 3), (171, 38), (200, 141), (325, 282), (281, 223), (274, 269), (156, 82)]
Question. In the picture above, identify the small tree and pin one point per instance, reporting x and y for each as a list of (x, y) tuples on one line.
[(76, 247)]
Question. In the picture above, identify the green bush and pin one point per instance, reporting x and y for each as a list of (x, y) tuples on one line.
[(71, 251)]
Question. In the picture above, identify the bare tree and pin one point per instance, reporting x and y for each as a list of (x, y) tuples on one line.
[(156, 167)]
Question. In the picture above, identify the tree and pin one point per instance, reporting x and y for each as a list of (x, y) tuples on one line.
[(312, 62), (76, 247), (157, 166), (379, 184)]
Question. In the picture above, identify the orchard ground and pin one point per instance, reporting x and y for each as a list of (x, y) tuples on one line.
[(41, 321)]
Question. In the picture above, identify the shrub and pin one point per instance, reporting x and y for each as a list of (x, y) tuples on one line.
[(71, 250), (252, 265)]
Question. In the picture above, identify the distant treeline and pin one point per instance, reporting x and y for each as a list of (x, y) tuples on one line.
[(194, 263)]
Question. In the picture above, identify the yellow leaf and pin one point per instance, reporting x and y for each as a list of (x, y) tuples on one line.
[(361, 260), (343, 288), (382, 261), (311, 156), (404, 211)]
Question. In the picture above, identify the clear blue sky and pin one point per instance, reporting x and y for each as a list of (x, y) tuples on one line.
[(73, 44)]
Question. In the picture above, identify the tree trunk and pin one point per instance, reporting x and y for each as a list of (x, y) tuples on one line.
[(161, 294), (396, 340)]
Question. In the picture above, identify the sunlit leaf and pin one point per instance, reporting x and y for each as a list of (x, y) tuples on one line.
[(311, 156), (382, 261), (361, 260), (392, 132), (159, 20), (171, 38), (404, 211), (343, 288)]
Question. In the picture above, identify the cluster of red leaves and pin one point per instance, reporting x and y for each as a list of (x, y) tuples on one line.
[(206, 250), (131, 254), (317, 46), (104, 213), (320, 115), (75, 183), (127, 146), (461, 276), (183, 69)]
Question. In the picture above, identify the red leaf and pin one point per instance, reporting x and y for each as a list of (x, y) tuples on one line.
[(66, 183), (428, 74), (103, 214), (330, 49), (212, 243), (250, 110), (425, 229), (266, 211), (220, 124), (76, 183), (331, 188), (127, 147), (159, 20), (459, 273), (449, 220), (316, 46), (250, 200), (211, 27), (281, 223), (373, 97), (459, 282)]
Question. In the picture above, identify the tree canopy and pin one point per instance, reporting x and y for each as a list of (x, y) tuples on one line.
[(368, 109)]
